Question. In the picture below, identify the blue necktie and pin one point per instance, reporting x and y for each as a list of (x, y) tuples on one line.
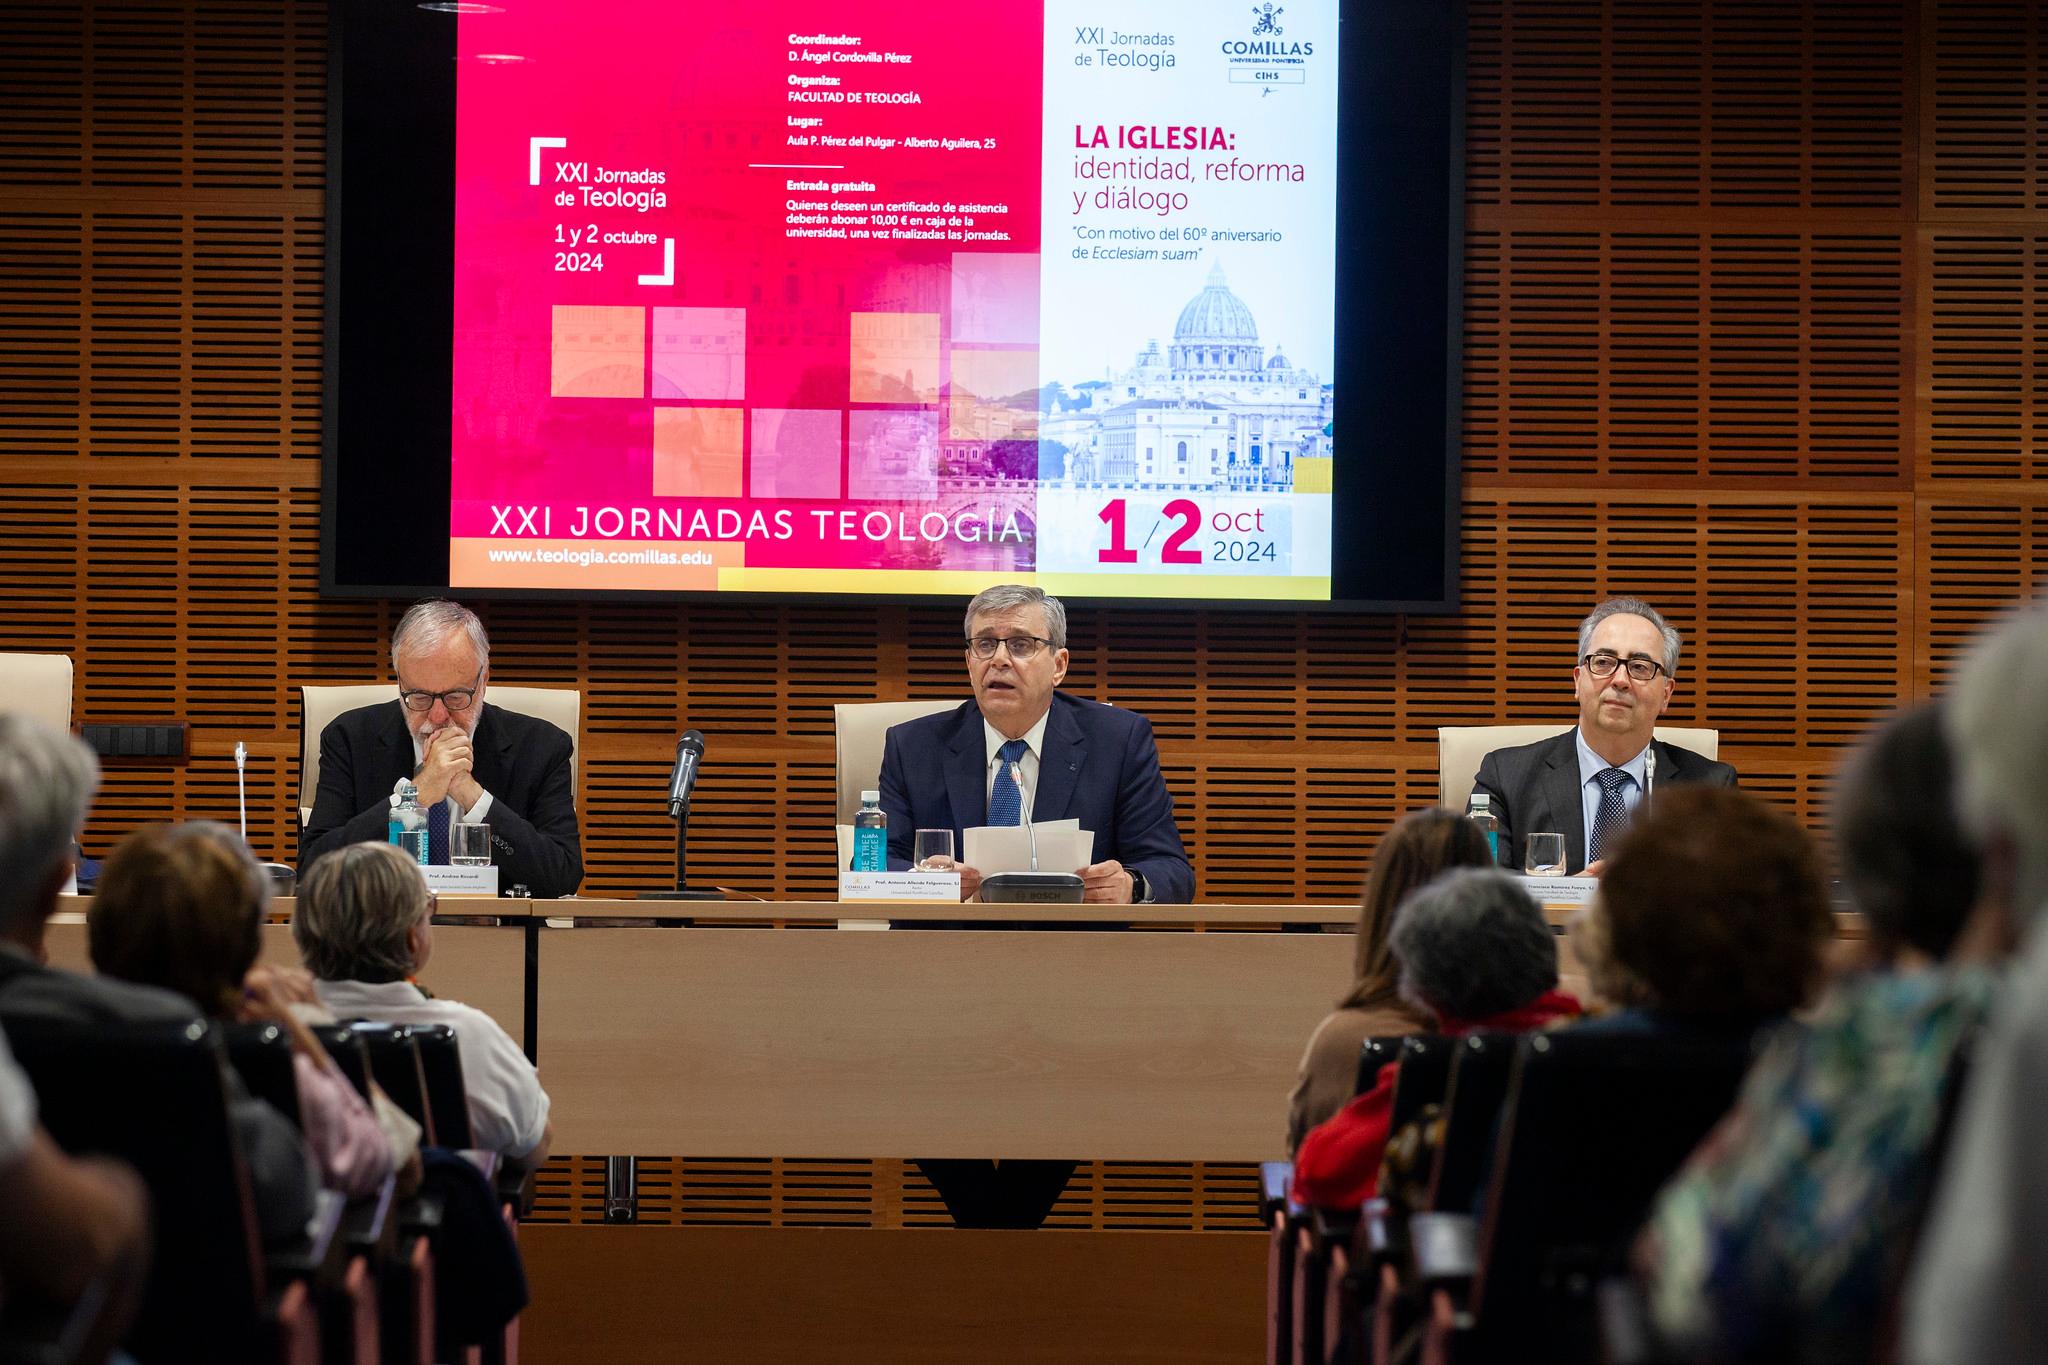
[(437, 834), (1611, 816), (1006, 798)]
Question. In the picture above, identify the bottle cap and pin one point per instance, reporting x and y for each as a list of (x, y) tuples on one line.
[(1481, 800), (871, 798)]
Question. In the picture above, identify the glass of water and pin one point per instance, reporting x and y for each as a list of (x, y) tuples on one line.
[(469, 845), (930, 844), (1544, 855)]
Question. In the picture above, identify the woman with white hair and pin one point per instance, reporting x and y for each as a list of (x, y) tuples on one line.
[(364, 926)]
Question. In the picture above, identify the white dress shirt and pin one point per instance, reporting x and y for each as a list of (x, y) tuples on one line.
[(1591, 765), (508, 1111)]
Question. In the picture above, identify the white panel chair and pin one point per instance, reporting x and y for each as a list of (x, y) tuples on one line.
[(560, 706), (37, 685), (858, 732), (1459, 749)]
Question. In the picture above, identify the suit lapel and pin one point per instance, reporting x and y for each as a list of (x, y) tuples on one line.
[(967, 769), (395, 739), (1563, 791), (1059, 766), (491, 754)]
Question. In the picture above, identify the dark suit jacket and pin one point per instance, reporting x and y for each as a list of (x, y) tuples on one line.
[(524, 763), (1535, 788), (1099, 766)]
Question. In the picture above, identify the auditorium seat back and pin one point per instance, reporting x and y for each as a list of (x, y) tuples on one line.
[(1595, 1126), (1459, 749), (37, 685), (561, 707), (447, 1096), (1374, 1053), (262, 1055), (1480, 1066), (155, 1096), (1425, 1069), (858, 731)]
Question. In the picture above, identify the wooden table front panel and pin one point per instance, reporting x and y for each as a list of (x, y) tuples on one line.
[(815, 1043)]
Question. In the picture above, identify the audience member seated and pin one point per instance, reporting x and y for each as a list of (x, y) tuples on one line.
[(71, 1223), (1783, 1237), (1975, 1295), (1711, 920), (364, 925), (181, 906), (46, 781), (1475, 954), (1413, 852)]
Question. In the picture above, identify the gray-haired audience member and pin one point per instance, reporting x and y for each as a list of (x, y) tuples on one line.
[(472, 763), (364, 925), (71, 1221), (46, 783), (1975, 1294), (1473, 945)]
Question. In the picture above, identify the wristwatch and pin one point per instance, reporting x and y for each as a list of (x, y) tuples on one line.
[(1139, 888)]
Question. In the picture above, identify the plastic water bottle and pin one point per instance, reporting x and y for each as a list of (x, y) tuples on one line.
[(408, 825), (1481, 814), (870, 835)]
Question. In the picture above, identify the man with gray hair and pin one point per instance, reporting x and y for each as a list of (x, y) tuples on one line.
[(1585, 783), (1974, 1297), (1079, 760), (472, 763)]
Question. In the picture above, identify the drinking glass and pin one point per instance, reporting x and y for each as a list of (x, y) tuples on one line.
[(930, 844), (1544, 855), (469, 845)]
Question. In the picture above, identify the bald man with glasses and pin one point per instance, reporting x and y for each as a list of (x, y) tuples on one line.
[(1078, 759), (472, 764), (1587, 782)]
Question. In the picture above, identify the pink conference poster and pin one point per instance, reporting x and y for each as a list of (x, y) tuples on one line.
[(867, 298)]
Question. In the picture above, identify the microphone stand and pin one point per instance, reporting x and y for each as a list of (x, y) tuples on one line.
[(683, 890)]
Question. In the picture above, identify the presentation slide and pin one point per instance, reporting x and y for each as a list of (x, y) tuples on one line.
[(874, 298)]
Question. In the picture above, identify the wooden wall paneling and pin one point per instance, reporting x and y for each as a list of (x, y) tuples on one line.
[(788, 1192), (1682, 353), (1729, 105), (1984, 87), (1984, 394)]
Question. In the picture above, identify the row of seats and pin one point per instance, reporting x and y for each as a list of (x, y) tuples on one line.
[(358, 1287), (1553, 1146)]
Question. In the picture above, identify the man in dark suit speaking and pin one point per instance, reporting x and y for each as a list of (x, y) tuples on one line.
[(1079, 760), (471, 763), (1584, 783)]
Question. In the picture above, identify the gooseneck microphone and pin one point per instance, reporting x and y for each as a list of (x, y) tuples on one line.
[(1649, 771), (1024, 810), (683, 780), (1044, 888)]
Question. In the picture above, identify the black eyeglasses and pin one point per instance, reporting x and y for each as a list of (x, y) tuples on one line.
[(1639, 668), (455, 698), (1023, 648)]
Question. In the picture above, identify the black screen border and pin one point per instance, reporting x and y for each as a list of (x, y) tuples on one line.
[(390, 260)]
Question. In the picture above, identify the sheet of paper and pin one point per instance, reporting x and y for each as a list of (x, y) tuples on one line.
[(1063, 846)]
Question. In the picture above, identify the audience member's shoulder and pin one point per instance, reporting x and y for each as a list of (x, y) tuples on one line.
[(68, 997)]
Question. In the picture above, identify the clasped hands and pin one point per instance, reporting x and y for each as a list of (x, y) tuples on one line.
[(445, 771), (1103, 883)]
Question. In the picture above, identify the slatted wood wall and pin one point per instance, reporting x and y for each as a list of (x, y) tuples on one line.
[(1756, 325)]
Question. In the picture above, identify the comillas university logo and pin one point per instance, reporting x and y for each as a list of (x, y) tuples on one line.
[(1266, 45)]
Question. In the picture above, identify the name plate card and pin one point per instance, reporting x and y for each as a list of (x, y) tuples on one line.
[(461, 881), (1560, 892), (899, 886)]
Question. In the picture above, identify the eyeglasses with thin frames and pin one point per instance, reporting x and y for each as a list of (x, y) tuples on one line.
[(455, 698), (1022, 648), (1640, 669)]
